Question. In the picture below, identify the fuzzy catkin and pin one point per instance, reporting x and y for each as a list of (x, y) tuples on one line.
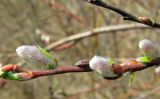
[(101, 66), (148, 48), (31, 53)]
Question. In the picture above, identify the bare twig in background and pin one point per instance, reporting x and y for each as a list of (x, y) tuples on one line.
[(124, 14), (74, 39), (96, 31)]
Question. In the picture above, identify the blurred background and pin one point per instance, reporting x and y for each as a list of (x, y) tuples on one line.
[(35, 22)]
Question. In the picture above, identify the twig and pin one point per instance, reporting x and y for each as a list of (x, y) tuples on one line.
[(119, 69), (124, 14), (93, 32)]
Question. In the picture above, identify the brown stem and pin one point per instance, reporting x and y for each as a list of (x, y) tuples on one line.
[(59, 70), (119, 69)]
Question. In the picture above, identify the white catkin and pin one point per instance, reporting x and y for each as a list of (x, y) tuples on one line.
[(45, 38), (31, 53), (148, 48), (157, 70), (100, 65)]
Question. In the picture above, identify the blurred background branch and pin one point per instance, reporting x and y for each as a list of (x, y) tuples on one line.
[(71, 40)]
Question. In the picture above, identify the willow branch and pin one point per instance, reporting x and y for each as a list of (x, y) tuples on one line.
[(72, 40), (82, 66), (124, 14)]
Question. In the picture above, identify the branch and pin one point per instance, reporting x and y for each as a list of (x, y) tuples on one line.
[(124, 14), (72, 40), (82, 66)]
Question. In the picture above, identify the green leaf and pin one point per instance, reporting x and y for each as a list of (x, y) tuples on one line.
[(144, 59), (8, 75), (110, 61), (2, 74), (51, 60), (11, 76)]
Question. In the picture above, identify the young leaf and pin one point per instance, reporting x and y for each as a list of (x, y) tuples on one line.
[(131, 78), (110, 61), (52, 61), (144, 59)]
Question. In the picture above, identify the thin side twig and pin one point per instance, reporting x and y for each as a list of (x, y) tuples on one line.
[(124, 14)]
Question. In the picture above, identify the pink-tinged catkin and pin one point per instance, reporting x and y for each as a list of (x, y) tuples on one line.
[(101, 66), (32, 54), (148, 48)]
